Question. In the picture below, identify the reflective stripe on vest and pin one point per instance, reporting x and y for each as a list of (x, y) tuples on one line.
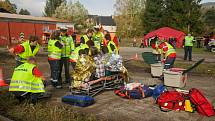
[(97, 43), (86, 39), (26, 89), (75, 54), (72, 43), (170, 49), (24, 80), (189, 41), (97, 39), (109, 47), (68, 46), (28, 52), (84, 46), (53, 51), (18, 82)]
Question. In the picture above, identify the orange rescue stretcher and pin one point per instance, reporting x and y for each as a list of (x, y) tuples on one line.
[(94, 87)]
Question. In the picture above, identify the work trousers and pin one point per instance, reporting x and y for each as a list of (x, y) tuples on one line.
[(169, 62), (188, 52), (55, 71), (198, 44), (65, 62), (31, 97)]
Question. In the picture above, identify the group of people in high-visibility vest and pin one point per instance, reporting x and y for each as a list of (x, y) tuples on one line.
[(27, 79), (63, 50), (67, 51)]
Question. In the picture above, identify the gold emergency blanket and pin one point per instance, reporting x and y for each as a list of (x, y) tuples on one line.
[(125, 74), (84, 68)]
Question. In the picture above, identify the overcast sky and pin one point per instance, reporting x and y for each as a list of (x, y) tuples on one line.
[(95, 7)]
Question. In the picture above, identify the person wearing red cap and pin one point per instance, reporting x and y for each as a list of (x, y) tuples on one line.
[(169, 54)]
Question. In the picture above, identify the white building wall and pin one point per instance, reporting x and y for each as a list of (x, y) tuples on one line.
[(67, 25), (110, 28)]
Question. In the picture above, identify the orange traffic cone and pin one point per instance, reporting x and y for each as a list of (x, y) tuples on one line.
[(135, 57), (2, 82)]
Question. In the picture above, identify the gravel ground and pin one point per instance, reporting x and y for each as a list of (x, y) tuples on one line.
[(111, 107)]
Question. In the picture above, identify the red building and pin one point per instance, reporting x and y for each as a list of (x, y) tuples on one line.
[(12, 24)]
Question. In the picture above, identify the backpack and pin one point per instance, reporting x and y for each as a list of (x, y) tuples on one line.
[(147, 91), (158, 90), (171, 100), (203, 106)]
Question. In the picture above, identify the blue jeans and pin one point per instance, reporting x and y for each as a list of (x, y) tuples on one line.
[(55, 71), (169, 62)]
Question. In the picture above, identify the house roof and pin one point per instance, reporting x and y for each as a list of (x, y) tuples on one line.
[(27, 17), (103, 20), (106, 20)]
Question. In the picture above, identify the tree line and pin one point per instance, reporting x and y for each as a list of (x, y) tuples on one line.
[(74, 12), (137, 17), (12, 8)]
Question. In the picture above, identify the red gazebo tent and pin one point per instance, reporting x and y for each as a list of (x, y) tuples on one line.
[(166, 33)]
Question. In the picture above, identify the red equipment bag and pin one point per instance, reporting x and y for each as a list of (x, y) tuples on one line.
[(171, 100), (203, 106)]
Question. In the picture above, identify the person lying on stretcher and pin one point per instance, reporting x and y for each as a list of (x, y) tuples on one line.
[(83, 69), (92, 69), (105, 61)]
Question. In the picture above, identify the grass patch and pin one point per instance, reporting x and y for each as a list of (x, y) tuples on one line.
[(196, 51), (139, 64), (128, 42), (205, 69), (201, 70), (10, 108)]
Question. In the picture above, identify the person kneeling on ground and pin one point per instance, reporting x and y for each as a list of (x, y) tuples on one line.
[(27, 82), (169, 54)]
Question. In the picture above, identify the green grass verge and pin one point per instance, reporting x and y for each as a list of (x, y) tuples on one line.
[(128, 42), (205, 69), (196, 51), (9, 107)]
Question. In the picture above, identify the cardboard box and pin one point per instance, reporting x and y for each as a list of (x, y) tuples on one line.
[(157, 69), (175, 78)]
